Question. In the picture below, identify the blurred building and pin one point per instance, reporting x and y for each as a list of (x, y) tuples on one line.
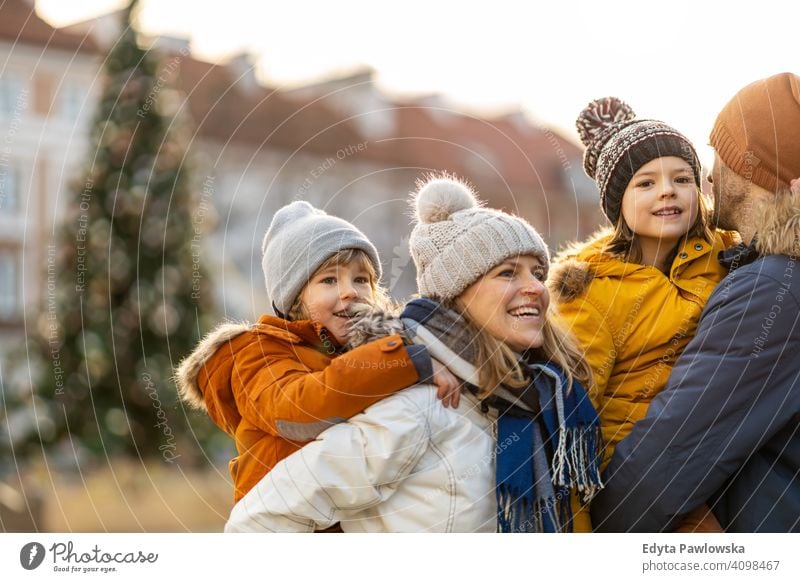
[(342, 144), (48, 87)]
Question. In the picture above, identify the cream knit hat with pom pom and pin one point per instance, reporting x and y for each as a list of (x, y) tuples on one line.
[(456, 241)]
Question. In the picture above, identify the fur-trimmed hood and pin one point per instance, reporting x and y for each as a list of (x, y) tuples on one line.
[(291, 332), (576, 266), (569, 279), (189, 369), (224, 343), (369, 325), (777, 224)]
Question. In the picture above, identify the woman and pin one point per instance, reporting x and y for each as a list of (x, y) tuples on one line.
[(525, 437)]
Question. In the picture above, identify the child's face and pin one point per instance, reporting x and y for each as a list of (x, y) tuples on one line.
[(660, 201), (510, 302), (331, 292)]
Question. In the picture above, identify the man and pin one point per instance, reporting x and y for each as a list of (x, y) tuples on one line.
[(726, 430)]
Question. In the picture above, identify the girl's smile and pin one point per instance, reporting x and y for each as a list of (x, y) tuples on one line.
[(660, 205)]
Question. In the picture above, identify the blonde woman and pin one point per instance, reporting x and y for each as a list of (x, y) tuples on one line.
[(524, 440)]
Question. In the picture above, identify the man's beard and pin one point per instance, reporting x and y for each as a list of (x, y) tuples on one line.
[(731, 209)]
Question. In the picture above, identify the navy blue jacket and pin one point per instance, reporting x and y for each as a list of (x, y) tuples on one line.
[(726, 429)]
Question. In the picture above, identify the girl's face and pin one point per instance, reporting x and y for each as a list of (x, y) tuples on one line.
[(329, 295), (510, 302), (660, 202)]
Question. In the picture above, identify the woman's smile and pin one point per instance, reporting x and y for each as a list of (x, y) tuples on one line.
[(510, 302)]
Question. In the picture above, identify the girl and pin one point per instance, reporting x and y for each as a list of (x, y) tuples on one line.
[(277, 384), (633, 295), (523, 441)]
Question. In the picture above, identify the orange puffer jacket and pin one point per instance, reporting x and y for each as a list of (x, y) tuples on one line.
[(277, 384)]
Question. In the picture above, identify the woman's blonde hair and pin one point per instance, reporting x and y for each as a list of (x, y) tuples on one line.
[(380, 298), (624, 243), (499, 365)]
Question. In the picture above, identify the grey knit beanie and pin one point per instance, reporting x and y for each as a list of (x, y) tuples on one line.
[(299, 239), (618, 144), (455, 241)]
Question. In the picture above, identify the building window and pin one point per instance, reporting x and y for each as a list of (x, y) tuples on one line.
[(9, 199), (12, 100), (9, 285), (71, 102)]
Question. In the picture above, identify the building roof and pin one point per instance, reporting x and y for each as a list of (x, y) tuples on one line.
[(228, 110), (228, 105), (19, 23), (503, 153)]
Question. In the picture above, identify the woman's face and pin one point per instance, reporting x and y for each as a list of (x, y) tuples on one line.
[(510, 302)]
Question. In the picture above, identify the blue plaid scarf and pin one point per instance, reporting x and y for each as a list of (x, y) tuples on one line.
[(543, 455)]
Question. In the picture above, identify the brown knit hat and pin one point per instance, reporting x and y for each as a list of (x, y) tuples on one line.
[(757, 134), (618, 144)]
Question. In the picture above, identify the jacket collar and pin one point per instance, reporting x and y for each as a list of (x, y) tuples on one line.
[(738, 256), (300, 331), (187, 373), (575, 268), (295, 332)]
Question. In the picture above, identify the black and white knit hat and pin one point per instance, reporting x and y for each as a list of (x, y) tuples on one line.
[(618, 144), (456, 241)]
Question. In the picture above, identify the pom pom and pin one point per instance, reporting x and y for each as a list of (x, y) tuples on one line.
[(439, 197), (600, 114)]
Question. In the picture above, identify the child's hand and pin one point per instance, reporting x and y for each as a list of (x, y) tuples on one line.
[(449, 388)]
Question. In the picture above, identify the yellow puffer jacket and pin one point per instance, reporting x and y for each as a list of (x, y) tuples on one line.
[(633, 321)]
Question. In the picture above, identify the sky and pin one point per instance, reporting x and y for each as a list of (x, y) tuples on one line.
[(678, 61)]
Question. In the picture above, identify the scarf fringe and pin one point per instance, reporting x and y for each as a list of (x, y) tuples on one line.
[(514, 515), (576, 462)]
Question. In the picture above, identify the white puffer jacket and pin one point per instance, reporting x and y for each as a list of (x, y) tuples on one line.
[(406, 464)]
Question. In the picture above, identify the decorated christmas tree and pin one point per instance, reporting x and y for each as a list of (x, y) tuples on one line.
[(131, 296)]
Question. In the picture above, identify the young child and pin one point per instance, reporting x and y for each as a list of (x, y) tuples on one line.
[(277, 384), (633, 295)]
